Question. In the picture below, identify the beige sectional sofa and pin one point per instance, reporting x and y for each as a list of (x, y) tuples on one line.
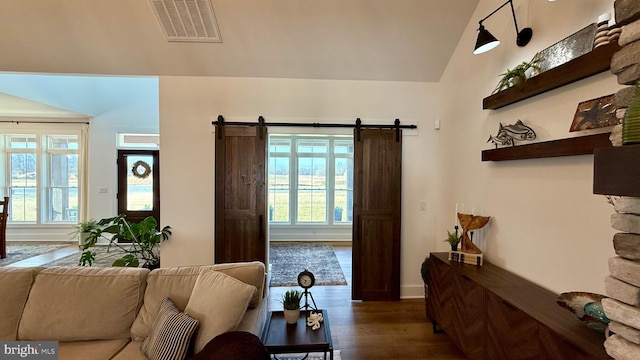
[(106, 313)]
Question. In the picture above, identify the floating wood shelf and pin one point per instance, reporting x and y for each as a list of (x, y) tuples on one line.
[(592, 63), (565, 147)]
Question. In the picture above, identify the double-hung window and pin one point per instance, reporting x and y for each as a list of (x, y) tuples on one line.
[(310, 179), (42, 171)]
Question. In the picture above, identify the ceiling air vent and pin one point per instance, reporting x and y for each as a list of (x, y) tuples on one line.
[(187, 20)]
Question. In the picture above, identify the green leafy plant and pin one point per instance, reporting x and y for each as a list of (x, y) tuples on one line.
[(140, 242), (518, 74), (291, 299), (84, 226), (453, 239)]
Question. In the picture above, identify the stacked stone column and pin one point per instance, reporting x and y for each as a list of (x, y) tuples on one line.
[(623, 284)]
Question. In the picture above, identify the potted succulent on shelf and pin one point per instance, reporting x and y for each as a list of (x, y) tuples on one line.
[(518, 74), (291, 303), (82, 230), (140, 242), (453, 239)]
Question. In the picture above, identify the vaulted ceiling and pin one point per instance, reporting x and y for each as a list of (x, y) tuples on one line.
[(391, 40)]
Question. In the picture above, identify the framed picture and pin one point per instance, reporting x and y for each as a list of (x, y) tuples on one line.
[(595, 113)]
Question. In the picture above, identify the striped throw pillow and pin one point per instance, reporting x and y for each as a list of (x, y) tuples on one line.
[(170, 335)]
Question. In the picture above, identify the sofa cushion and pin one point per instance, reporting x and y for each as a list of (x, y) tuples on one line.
[(252, 273), (174, 283), (15, 284), (219, 302), (82, 303), (171, 334), (98, 349), (177, 284)]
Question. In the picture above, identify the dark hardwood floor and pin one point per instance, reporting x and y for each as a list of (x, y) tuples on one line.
[(375, 330)]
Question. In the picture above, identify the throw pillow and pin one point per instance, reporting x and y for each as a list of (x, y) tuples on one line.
[(219, 302), (170, 335)]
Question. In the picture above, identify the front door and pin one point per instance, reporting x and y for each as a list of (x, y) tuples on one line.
[(139, 184)]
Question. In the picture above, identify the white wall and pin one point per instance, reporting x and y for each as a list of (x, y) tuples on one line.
[(116, 104), (188, 105), (546, 224)]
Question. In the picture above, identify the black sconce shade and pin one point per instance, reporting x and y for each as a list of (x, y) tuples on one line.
[(485, 41)]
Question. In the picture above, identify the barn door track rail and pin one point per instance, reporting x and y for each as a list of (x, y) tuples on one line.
[(221, 123)]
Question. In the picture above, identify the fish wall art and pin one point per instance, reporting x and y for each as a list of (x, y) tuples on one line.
[(508, 134)]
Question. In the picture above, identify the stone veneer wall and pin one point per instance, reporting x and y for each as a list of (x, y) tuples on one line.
[(623, 284)]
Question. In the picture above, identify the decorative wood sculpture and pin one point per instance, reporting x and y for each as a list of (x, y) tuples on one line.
[(470, 222)]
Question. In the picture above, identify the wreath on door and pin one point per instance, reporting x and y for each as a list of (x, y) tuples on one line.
[(141, 169)]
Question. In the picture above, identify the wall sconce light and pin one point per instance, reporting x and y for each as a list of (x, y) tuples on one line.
[(486, 41)]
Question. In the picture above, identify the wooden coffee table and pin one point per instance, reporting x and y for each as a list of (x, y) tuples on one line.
[(280, 338)]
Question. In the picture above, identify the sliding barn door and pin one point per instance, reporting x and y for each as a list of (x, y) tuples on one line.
[(376, 209), (240, 233)]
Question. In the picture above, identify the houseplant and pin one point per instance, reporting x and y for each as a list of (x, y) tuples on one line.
[(518, 74), (291, 303), (82, 229), (453, 239), (140, 242), (424, 272)]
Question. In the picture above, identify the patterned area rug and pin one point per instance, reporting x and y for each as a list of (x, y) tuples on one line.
[(312, 356), (18, 251), (289, 259), (104, 258)]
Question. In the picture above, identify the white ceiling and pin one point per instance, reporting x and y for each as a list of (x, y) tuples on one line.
[(13, 106), (391, 40)]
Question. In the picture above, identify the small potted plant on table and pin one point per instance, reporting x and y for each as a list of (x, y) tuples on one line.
[(291, 303), (453, 239)]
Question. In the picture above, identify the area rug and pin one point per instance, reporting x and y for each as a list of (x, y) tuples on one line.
[(18, 251), (312, 356), (289, 259), (104, 258)]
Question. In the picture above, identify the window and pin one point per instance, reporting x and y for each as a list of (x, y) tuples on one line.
[(310, 179), (41, 176)]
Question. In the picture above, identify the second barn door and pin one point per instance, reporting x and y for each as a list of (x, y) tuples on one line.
[(240, 204), (376, 209)]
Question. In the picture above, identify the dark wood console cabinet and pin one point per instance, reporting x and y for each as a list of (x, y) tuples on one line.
[(490, 313)]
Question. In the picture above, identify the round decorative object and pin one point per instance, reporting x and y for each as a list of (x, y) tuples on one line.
[(141, 169), (306, 279)]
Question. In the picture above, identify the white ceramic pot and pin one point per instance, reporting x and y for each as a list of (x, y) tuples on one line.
[(82, 239), (291, 316)]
